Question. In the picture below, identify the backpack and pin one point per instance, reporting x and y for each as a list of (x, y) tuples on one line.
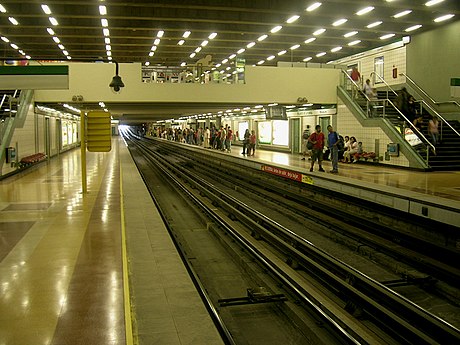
[(340, 142)]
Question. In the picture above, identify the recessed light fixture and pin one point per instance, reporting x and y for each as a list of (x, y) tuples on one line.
[(212, 36), (313, 6), (320, 54), (4, 39), (197, 50), (104, 22), (106, 32), (232, 56), (151, 54), (412, 28), (309, 40), (46, 9), (154, 48), (261, 38), (2, 9), (433, 2), (204, 43), (374, 24), (53, 21), (50, 31), (102, 10), (56, 39), (384, 37), (250, 45), (336, 49), (14, 46), (181, 42), (292, 19), (13, 21), (242, 50), (261, 62), (147, 63), (307, 59), (224, 61), (443, 18), (276, 29), (354, 43), (351, 33), (365, 10), (340, 22), (294, 47), (61, 46), (271, 57), (183, 64), (192, 55), (402, 14), (319, 32), (107, 40), (282, 52), (186, 34), (65, 52)]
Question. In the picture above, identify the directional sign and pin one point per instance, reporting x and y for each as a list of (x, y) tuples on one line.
[(98, 131)]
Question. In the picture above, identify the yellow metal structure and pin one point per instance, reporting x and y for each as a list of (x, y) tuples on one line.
[(83, 152), (98, 131)]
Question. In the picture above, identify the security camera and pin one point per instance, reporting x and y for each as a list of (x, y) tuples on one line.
[(116, 84)]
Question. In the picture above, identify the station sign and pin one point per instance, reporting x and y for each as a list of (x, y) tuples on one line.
[(34, 77), (98, 131)]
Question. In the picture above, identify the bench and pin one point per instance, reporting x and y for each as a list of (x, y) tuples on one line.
[(35, 158)]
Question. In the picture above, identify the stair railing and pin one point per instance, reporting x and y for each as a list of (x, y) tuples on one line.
[(443, 120), (389, 88)]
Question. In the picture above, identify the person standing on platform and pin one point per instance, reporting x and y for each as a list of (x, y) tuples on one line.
[(356, 77), (207, 135), (247, 135), (305, 136), (317, 139), (252, 143), (333, 140)]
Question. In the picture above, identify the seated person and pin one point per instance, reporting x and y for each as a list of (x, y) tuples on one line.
[(359, 152), (352, 149)]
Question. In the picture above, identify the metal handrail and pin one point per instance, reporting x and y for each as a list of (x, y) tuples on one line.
[(424, 92), (419, 134), (386, 84), (439, 116), (354, 83)]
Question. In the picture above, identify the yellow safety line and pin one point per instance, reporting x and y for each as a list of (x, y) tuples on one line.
[(126, 294)]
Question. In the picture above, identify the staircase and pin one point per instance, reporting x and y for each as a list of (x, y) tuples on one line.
[(448, 151), (5, 97)]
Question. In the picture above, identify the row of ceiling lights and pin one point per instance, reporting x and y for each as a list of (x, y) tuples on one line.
[(106, 32), (6, 40)]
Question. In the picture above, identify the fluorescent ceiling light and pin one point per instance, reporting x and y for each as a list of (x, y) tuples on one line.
[(242, 50), (183, 64), (224, 61), (218, 65), (351, 33), (2, 9), (320, 54), (197, 50), (13, 21), (4, 39), (276, 29), (109, 53), (212, 36), (50, 31), (186, 34), (14, 46), (181, 42), (384, 37), (307, 59), (309, 40), (412, 28), (160, 34), (232, 56), (21, 52), (108, 47), (28, 57), (354, 43), (107, 40), (56, 39), (65, 52), (102, 10), (151, 54), (365, 10), (313, 6), (106, 32), (339, 22), (294, 47), (336, 49), (204, 43), (104, 22), (261, 38), (53, 21), (282, 52), (271, 57), (433, 2), (374, 24), (61, 46), (147, 63), (108, 58), (443, 18), (192, 55), (46, 9), (319, 32), (402, 14), (157, 41), (250, 45), (292, 19)]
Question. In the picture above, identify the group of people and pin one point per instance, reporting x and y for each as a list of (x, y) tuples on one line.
[(216, 138)]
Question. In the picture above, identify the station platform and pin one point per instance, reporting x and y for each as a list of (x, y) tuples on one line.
[(100, 267)]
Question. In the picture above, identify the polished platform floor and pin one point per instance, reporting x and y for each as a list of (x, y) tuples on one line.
[(61, 251)]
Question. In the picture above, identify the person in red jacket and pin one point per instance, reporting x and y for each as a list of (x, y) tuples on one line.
[(317, 139)]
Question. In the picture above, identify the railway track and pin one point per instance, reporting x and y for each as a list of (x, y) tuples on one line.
[(355, 308)]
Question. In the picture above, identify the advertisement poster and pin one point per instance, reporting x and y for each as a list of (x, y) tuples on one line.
[(265, 132), (281, 132)]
